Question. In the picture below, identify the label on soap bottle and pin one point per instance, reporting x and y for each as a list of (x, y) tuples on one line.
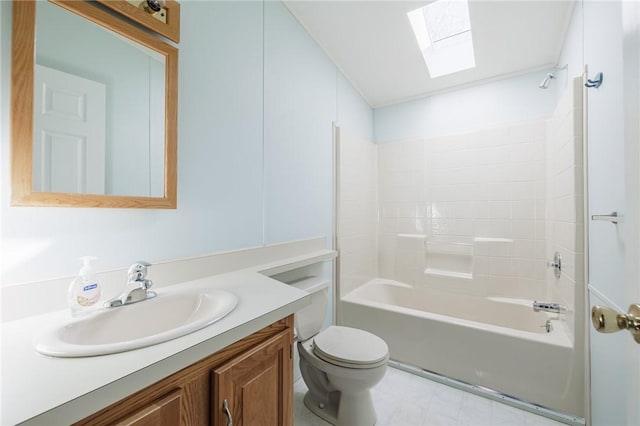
[(89, 295)]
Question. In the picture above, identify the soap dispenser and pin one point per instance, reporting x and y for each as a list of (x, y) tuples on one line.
[(85, 290)]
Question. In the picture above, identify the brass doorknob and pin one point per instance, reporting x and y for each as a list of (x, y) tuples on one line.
[(606, 320)]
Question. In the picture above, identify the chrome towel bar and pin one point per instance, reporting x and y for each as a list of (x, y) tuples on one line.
[(613, 217)]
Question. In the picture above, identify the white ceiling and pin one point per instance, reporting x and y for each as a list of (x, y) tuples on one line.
[(373, 44)]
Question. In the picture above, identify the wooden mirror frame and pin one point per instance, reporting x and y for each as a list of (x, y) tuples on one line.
[(22, 103)]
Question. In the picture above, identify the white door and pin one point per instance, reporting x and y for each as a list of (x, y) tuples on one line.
[(612, 46), (69, 133)]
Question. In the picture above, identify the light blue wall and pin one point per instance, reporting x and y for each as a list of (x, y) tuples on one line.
[(220, 124), (300, 106), (353, 112), (304, 94), (572, 53), (499, 102), (238, 122)]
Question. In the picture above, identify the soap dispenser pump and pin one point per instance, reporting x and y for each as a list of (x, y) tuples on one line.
[(85, 290)]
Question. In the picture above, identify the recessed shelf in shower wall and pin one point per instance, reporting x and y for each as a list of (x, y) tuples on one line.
[(492, 240), (413, 236), (449, 274), (448, 259), (413, 242), (489, 246)]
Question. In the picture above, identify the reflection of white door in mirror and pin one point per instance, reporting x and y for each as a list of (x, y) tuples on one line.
[(69, 133)]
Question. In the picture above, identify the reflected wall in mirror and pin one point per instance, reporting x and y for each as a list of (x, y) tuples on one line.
[(98, 112), (94, 118)]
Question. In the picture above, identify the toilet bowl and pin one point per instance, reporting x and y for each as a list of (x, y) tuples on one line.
[(339, 365)]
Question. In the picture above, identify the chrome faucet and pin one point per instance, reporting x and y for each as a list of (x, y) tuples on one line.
[(137, 287), (549, 307)]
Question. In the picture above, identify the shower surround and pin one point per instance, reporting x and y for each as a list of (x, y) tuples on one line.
[(476, 215)]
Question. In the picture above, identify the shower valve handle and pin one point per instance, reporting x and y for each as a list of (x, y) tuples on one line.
[(556, 264)]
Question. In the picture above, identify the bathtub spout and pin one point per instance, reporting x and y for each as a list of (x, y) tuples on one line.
[(549, 307)]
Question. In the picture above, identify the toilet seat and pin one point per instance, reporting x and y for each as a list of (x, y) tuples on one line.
[(350, 347)]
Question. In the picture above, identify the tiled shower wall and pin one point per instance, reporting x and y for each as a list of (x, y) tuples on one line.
[(357, 211), (470, 208), (565, 203), (480, 212)]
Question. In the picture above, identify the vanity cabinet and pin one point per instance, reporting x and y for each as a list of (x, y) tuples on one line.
[(254, 388), (254, 376)]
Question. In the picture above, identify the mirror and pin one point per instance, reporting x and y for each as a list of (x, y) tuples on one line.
[(94, 109)]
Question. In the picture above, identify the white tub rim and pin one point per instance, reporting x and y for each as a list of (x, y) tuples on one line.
[(559, 336)]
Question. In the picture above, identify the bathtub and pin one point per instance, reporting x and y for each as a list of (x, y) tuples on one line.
[(496, 343)]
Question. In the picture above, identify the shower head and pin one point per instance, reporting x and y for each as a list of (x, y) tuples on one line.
[(546, 81), (550, 76)]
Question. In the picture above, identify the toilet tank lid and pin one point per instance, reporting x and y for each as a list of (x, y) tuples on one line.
[(310, 284)]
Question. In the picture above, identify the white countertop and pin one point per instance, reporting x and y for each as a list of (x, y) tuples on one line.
[(44, 390)]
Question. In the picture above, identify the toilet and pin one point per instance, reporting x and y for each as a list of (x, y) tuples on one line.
[(339, 364)]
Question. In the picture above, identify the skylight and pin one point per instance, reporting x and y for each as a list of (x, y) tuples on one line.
[(443, 31)]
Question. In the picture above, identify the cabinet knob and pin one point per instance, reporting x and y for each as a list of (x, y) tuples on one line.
[(225, 407)]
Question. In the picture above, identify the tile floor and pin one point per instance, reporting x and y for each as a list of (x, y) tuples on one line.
[(404, 399)]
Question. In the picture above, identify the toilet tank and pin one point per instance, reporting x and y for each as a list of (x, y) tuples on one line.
[(309, 320)]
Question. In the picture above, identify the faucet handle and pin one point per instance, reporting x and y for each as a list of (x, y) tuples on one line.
[(549, 307), (147, 284), (138, 271)]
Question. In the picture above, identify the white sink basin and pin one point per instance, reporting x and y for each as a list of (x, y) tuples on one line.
[(169, 315)]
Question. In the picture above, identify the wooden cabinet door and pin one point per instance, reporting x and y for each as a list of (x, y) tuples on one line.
[(257, 385), (163, 412)]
